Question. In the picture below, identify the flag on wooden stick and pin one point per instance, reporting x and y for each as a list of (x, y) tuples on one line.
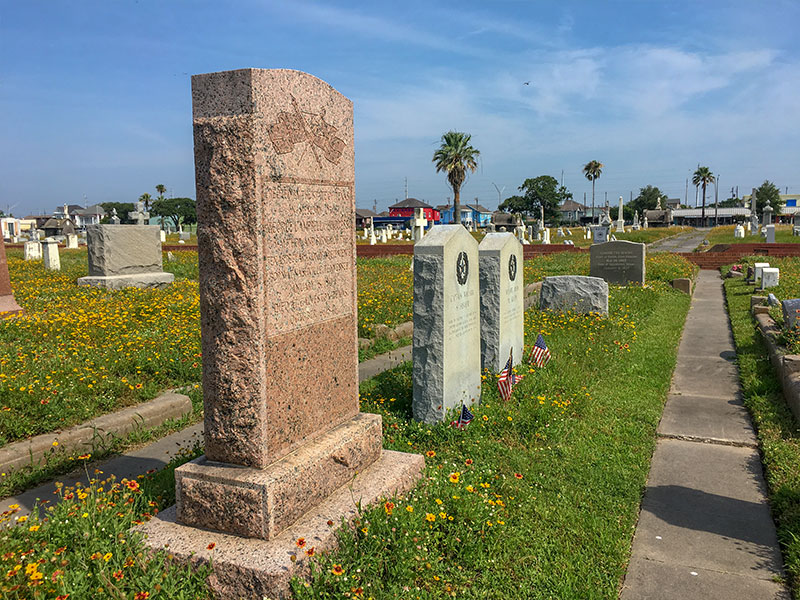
[(540, 355), (507, 380), (464, 418)]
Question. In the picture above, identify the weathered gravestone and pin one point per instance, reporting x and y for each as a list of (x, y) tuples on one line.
[(770, 277), (72, 241), (575, 293), (287, 450), (52, 262), (184, 235), (791, 312), (769, 234), (600, 234), (502, 297), (162, 235), (123, 256), (447, 336), (620, 262), (759, 266), (738, 232), (8, 306), (32, 250)]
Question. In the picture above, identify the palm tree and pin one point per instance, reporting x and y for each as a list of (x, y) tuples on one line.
[(161, 189), (703, 176), (592, 170), (454, 157), (145, 198)]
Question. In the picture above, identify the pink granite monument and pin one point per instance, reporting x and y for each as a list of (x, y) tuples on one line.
[(287, 449), (8, 306)]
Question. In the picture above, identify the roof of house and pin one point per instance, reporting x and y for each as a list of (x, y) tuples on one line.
[(365, 212), (95, 209), (572, 206), (441, 207), (477, 207), (71, 208), (53, 223), (411, 203)]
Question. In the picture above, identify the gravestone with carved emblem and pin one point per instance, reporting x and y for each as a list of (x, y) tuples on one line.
[(447, 345), (502, 311)]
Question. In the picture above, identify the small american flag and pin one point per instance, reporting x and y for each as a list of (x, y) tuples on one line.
[(464, 418), (507, 378), (540, 355)]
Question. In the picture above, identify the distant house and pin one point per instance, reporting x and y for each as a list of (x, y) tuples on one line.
[(10, 227), (660, 218), (55, 226), (405, 208), (673, 203), (470, 213), (572, 213), (362, 214), (504, 219), (80, 216)]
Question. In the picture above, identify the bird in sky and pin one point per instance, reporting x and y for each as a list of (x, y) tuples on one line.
[(527, 83)]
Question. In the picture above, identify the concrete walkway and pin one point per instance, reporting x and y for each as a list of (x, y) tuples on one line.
[(705, 529), (157, 454), (684, 242)]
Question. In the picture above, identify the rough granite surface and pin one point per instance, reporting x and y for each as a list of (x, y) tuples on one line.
[(123, 249), (502, 300), (263, 502), (276, 206), (8, 306), (574, 292), (257, 568), (446, 340)]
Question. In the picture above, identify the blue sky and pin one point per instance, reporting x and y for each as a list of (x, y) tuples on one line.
[(96, 103)]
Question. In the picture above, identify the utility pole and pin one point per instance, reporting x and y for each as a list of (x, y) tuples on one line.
[(499, 193), (716, 201), (406, 180), (562, 178), (686, 197), (375, 205)]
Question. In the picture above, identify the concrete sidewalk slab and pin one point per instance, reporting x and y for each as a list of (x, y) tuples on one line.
[(705, 528), (720, 420), (654, 580), (705, 505)]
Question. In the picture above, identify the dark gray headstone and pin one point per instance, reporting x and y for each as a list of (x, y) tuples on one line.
[(574, 292), (618, 262), (791, 312)]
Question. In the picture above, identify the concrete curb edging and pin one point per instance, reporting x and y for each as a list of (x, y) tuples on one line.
[(787, 366), (83, 437)]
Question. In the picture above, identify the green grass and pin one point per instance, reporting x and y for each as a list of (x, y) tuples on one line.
[(777, 429), (644, 236), (724, 235), (549, 484)]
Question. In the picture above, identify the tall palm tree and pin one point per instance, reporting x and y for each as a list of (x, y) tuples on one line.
[(454, 157), (145, 198), (161, 189), (703, 176), (592, 170)]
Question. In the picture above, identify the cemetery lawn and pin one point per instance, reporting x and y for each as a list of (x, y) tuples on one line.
[(538, 497), (724, 235), (644, 236), (778, 431)]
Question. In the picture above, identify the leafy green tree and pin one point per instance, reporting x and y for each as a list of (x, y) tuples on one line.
[(514, 204), (768, 191), (646, 200), (123, 208), (542, 191), (703, 176), (592, 171), (455, 156), (181, 211)]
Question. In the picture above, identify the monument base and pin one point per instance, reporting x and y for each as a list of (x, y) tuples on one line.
[(9, 306), (138, 280), (260, 503), (256, 568)]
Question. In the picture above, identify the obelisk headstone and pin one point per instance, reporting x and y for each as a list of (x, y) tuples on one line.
[(502, 310), (447, 344), (276, 241), (8, 306)]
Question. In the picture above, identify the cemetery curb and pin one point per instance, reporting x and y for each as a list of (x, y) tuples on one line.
[(82, 438), (787, 366)]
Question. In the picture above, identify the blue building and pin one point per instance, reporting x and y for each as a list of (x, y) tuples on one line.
[(470, 213)]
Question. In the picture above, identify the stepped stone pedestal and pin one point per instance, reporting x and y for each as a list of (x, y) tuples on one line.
[(287, 450)]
